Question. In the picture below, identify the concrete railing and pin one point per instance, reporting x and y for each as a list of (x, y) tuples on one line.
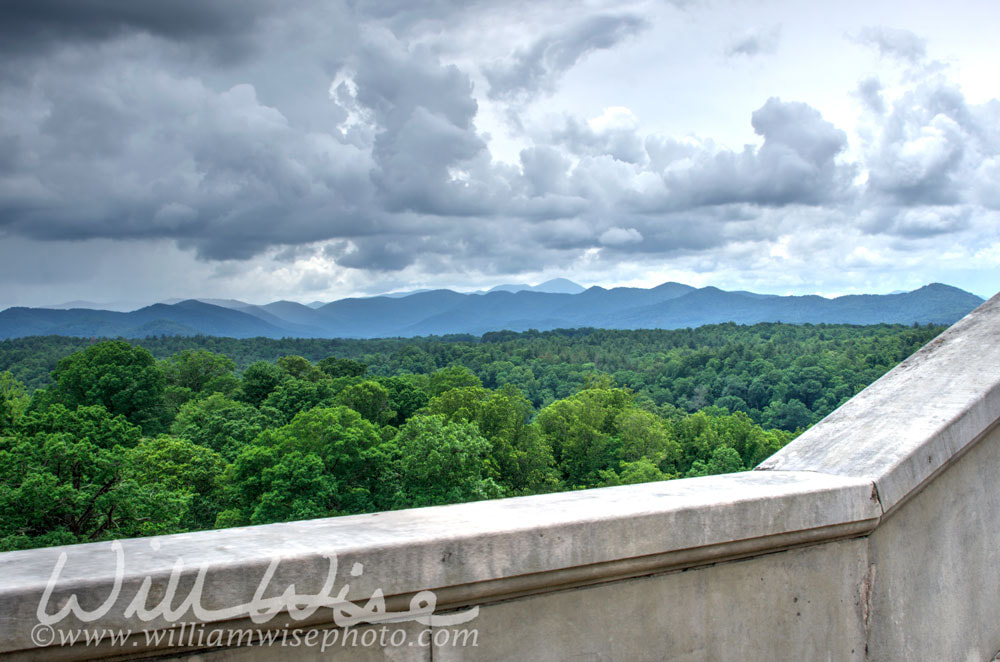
[(871, 537)]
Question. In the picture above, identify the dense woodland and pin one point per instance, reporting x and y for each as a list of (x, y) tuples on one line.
[(103, 439)]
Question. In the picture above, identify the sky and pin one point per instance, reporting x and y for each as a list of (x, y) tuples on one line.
[(319, 149)]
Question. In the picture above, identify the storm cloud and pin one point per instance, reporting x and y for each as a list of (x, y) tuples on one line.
[(346, 147)]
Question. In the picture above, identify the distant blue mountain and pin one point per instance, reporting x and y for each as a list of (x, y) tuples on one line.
[(184, 318), (441, 312), (554, 286)]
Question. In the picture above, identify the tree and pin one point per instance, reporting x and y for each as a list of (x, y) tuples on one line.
[(462, 403), (121, 378), (438, 462), (64, 480), (258, 381), (581, 432), (270, 486), (336, 367), (647, 436), (340, 437), (299, 367), (521, 455), (642, 470), (725, 460), (523, 458), (407, 395), (13, 402), (219, 423), (731, 403), (183, 468), (370, 399), (455, 376), (297, 488), (791, 415), (292, 396), (352, 466), (411, 358), (196, 369)]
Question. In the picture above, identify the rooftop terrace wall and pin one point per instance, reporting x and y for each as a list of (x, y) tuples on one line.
[(870, 537)]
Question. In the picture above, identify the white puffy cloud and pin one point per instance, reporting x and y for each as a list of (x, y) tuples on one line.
[(894, 42), (620, 236)]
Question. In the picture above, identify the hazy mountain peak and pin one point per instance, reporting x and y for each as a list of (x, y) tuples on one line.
[(509, 287), (559, 286), (118, 306), (673, 285), (552, 286), (401, 294)]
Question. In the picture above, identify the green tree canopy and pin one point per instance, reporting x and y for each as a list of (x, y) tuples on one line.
[(197, 369), (219, 423), (65, 480), (13, 402), (581, 430), (293, 396), (123, 379), (299, 367), (187, 470), (437, 462), (455, 376), (258, 381), (407, 395), (337, 367), (346, 446), (370, 399), (268, 485)]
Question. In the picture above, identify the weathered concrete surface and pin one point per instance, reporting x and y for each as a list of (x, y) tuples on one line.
[(453, 550), (936, 589), (909, 424), (360, 644), (803, 604)]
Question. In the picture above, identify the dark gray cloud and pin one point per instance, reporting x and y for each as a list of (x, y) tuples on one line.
[(426, 145), (37, 26), (380, 253), (120, 154), (917, 222), (538, 67), (404, 16), (398, 173)]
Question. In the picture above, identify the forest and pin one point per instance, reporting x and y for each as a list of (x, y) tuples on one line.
[(103, 439)]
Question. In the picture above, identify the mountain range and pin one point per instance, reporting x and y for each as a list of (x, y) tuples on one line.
[(557, 304)]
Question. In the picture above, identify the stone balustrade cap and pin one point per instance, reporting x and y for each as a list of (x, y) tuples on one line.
[(915, 420)]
